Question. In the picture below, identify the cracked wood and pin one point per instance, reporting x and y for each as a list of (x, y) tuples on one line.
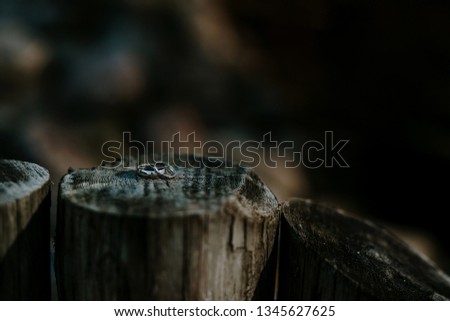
[(24, 231), (328, 255), (204, 235)]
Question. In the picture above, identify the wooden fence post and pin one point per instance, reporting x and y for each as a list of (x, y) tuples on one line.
[(209, 233), (205, 234), (24, 231), (328, 255)]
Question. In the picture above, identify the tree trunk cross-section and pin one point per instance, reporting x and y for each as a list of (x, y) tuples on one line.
[(204, 235), (24, 231), (328, 255)]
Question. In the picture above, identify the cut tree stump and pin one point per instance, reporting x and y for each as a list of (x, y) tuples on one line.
[(328, 255), (206, 234), (24, 231)]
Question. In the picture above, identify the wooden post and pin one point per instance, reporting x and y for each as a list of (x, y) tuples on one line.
[(24, 231), (328, 255), (205, 234)]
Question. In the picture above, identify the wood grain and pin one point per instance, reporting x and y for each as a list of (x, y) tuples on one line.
[(328, 255), (24, 231), (204, 235)]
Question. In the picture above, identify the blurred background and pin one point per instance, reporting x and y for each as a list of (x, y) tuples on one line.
[(76, 74)]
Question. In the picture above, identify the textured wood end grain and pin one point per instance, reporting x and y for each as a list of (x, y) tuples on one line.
[(19, 179), (194, 191), (23, 188), (204, 235), (24, 231), (342, 257)]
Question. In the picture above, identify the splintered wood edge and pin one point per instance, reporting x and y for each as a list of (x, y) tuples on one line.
[(232, 204), (19, 179), (368, 255), (194, 191)]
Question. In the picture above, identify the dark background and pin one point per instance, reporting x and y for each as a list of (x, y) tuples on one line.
[(76, 74)]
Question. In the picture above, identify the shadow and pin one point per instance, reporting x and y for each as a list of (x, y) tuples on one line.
[(266, 287), (25, 268)]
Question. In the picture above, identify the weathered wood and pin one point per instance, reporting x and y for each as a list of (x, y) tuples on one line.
[(24, 231), (328, 255), (206, 234)]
